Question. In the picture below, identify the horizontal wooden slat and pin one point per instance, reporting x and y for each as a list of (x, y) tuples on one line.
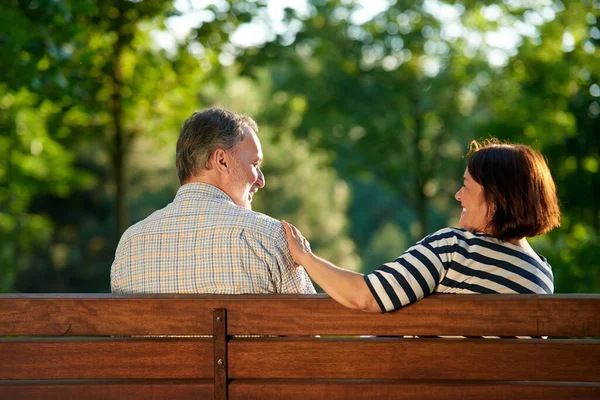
[(403, 390), (82, 315), (475, 315), (446, 359), (164, 358), (114, 390)]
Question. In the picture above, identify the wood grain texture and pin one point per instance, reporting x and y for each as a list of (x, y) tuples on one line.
[(476, 315), (103, 315), (418, 359), (403, 390), (303, 366), (114, 390), (220, 353), (139, 358)]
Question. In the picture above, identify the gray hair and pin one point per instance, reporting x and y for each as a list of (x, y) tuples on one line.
[(204, 133)]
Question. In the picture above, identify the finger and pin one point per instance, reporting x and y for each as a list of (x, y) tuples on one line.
[(296, 231), (287, 229), (290, 233)]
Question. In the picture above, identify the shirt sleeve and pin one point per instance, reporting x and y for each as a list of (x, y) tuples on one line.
[(413, 275), (292, 279), (271, 252), (117, 271), (120, 279)]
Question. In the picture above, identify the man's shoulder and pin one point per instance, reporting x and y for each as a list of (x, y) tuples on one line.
[(261, 225), (141, 227), (219, 216)]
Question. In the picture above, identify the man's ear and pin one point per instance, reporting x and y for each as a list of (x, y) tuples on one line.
[(221, 161)]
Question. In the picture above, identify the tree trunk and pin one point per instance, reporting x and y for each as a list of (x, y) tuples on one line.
[(120, 152), (420, 176)]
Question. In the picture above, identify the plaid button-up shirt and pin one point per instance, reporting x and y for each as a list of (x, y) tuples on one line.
[(203, 243)]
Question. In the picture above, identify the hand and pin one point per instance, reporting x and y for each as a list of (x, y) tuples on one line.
[(298, 245)]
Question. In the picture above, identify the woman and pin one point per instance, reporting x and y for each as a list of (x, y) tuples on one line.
[(508, 194)]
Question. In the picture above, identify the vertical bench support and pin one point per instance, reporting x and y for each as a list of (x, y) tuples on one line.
[(220, 352)]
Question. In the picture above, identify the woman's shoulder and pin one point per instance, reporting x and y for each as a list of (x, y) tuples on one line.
[(448, 234), (481, 243), (463, 238)]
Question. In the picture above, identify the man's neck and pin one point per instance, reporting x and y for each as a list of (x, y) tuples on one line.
[(209, 179)]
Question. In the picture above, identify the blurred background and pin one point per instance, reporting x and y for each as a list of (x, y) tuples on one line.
[(365, 109)]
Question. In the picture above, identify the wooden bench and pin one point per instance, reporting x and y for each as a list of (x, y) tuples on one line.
[(94, 346)]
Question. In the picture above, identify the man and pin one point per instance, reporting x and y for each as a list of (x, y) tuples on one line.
[(208, 240)]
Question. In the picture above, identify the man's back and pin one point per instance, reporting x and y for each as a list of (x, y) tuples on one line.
[(204, 243)]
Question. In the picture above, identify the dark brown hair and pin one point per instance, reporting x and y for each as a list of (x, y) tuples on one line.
[(205, 132), (518, 188)]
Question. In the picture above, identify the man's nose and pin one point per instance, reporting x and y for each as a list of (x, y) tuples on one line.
[(458, 195), (260, 182)]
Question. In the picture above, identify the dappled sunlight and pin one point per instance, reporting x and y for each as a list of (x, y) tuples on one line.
[(365, 111)]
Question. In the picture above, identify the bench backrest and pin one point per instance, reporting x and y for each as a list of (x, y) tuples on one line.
[(156, 346)]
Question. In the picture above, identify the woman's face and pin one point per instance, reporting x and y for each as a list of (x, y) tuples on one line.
[(474, 216)]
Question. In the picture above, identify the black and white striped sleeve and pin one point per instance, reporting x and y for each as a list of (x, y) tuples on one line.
[(414, 274)]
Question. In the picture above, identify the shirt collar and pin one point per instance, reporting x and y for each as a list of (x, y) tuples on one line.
[(201, 190)]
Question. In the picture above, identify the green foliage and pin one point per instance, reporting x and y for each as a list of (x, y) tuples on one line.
[(544, 97), (66, 65), (90, 108), (371, 98), (34, 162), (373, 95), (301, 187)]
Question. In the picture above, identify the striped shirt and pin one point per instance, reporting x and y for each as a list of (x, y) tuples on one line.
[(204, 243), (454, 260)]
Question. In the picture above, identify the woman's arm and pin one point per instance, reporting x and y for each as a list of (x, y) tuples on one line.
[(346, 287)]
